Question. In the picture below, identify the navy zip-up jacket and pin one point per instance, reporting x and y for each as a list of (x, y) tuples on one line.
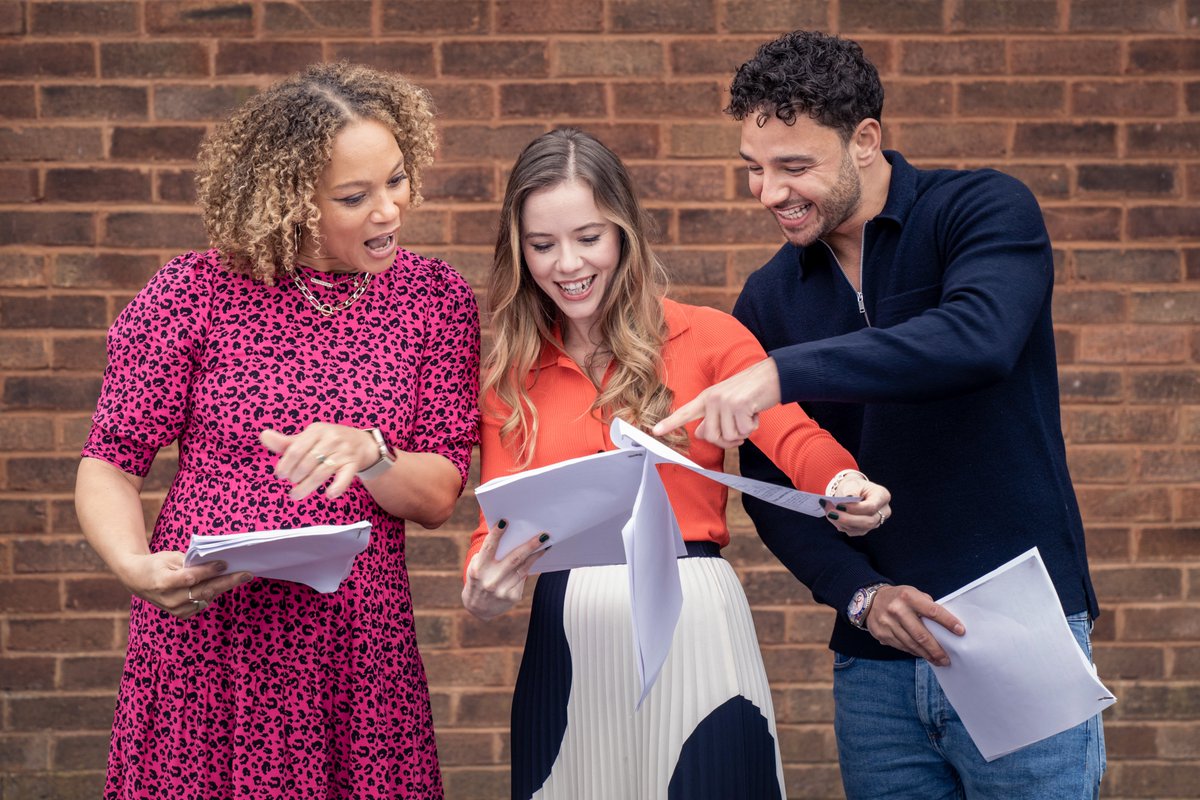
[(944, 386)]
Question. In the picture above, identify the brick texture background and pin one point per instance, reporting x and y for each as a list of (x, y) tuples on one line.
[(1094, 103)]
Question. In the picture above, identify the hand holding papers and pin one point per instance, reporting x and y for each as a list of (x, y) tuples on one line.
[(320, 555), (612, 508), (1017, 676)]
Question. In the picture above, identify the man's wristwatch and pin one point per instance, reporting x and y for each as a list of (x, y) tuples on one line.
[(860, 605), (385, 458)]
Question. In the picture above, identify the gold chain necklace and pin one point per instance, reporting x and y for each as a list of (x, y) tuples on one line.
[(327, 310)]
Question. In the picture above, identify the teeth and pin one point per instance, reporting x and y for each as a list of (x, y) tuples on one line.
[(380, 242), (577, 287), (796, 213)]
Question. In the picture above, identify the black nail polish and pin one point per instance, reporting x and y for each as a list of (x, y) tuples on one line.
[(832, 515), (502, 524), (822, 502), (841, 508), (543, 538)]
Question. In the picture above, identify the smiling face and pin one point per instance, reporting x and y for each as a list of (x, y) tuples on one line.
[(572, 251), (362, 194), (804, 174)]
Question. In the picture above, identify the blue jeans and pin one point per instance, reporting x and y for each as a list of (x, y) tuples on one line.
[(899, 737)]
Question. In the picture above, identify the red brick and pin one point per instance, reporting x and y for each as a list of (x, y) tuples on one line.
[(502, 143), (726, 226), (474, 227), (675, 99), (459, 183), (82, 752), (774, 586), (1169, 465), (690, 183), (1171, 386), (1136, 345), (1148, 15), (918, 100), (1128, 266), (1169, 544), (470, 669), (1134, 584), (953, 139), (1089, 307), (557, 100), (506, 632), (1164, 139), (1065, 138), (61, 712), (97, 185), (156, 143), (1065, 57), (1119, 425), (46, 59), (915, 16), (1161, 624), (630, 140), (200, 17), (104, 270), (1128, 179), (812, 744), (420, 16), (1012, 99), (93, 18), (176, 186), (29, 596), (186, 102), (805, 705), (265, 58), (951, 57), (21, 515), (325, 17), (458, 748), (797, 664), (1189, 499), (1192, 261), (770, 17), (50, 144), (60, 554), (23, 754), (695, 268), (59, 635), (157, 60), (66, 786), (463, 101), (50, 393), (18, 186), (96, 594), (490, 782), (1124, 741), (12, 19), (1187, 662), (1112, 99), (92, 672), (45, 227), (1115, 662), (29, 432), (549, 16), (1105, 544), (1158, 222), (1165, 307), (161, 230), (1100, 464), (18, 102), (703, 140), (80, 353), (484, 708), (604, 58), (442, 590), (1118, 504), (41, 474), (1192, 92), (1159, 702), (414, 59), (22, 673), (653, 16), (496, 59), (1076, 223), (1007, 17)]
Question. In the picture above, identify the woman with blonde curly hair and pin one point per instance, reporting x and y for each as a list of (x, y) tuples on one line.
[(313, 372), (582, 334)]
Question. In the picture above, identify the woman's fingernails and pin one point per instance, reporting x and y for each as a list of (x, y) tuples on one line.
[(841, 508), (220, 566), (543, 538), (502, 524), (832, 515), (822, 502)]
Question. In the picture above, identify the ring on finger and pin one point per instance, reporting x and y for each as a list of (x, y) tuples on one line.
[(195, 601), (320, 457), (882, 519)]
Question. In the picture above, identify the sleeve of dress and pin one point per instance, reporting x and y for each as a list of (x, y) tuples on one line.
[(153, 350), (447, 417), (804, 451), (494, 460)]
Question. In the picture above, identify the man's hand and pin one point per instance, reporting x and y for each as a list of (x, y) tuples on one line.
[(895, 620), (729, 410)]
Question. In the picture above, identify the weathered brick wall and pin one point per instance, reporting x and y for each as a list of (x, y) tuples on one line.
[(1094, 103)]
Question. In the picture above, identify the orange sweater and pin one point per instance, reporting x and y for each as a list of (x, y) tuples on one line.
[(704, 347)]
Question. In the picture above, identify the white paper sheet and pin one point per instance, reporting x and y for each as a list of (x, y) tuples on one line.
[(319, 556), (1017, 676), (611, 508)]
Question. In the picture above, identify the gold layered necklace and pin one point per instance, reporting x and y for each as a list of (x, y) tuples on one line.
[(356, 284)]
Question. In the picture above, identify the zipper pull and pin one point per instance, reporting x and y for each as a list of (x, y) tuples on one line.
[(862, 308)]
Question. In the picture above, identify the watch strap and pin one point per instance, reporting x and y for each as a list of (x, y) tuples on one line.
[(385, 461), (859, 609)]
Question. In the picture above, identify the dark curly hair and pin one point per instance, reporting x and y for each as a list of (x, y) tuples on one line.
[(258, 171), (808, 72)]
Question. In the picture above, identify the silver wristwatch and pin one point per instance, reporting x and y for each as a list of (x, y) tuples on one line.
[(860, 605), (385, 461)]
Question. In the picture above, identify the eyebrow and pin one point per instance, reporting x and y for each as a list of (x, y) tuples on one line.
[(580, 229), (790, 158), (341, 187)]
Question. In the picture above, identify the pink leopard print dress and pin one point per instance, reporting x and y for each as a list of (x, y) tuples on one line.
[(275, 690)]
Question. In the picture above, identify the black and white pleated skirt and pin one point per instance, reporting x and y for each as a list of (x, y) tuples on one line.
[(707, 728)]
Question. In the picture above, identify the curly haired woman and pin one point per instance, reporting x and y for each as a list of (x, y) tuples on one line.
[(583, 334), (313, 372)]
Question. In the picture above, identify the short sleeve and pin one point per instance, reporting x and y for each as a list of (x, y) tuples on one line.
[(153, 348), (447, 419)]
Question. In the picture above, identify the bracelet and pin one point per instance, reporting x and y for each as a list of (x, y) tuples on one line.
[(385, 458), (831, 489)]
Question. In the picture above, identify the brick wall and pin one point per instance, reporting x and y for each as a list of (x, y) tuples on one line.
[(1094, 103)]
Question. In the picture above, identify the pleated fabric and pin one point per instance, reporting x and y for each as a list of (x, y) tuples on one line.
[(707, 729)]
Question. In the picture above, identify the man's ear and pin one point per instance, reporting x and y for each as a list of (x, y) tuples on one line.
[(866, 143)]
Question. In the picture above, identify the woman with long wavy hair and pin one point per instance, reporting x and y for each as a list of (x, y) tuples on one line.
[(581, 334)]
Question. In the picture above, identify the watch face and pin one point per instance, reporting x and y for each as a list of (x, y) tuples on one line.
[(857, 603)]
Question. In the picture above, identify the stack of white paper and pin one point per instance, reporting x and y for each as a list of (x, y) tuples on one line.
[(319, 555), (1017, 676), (612, 508)]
